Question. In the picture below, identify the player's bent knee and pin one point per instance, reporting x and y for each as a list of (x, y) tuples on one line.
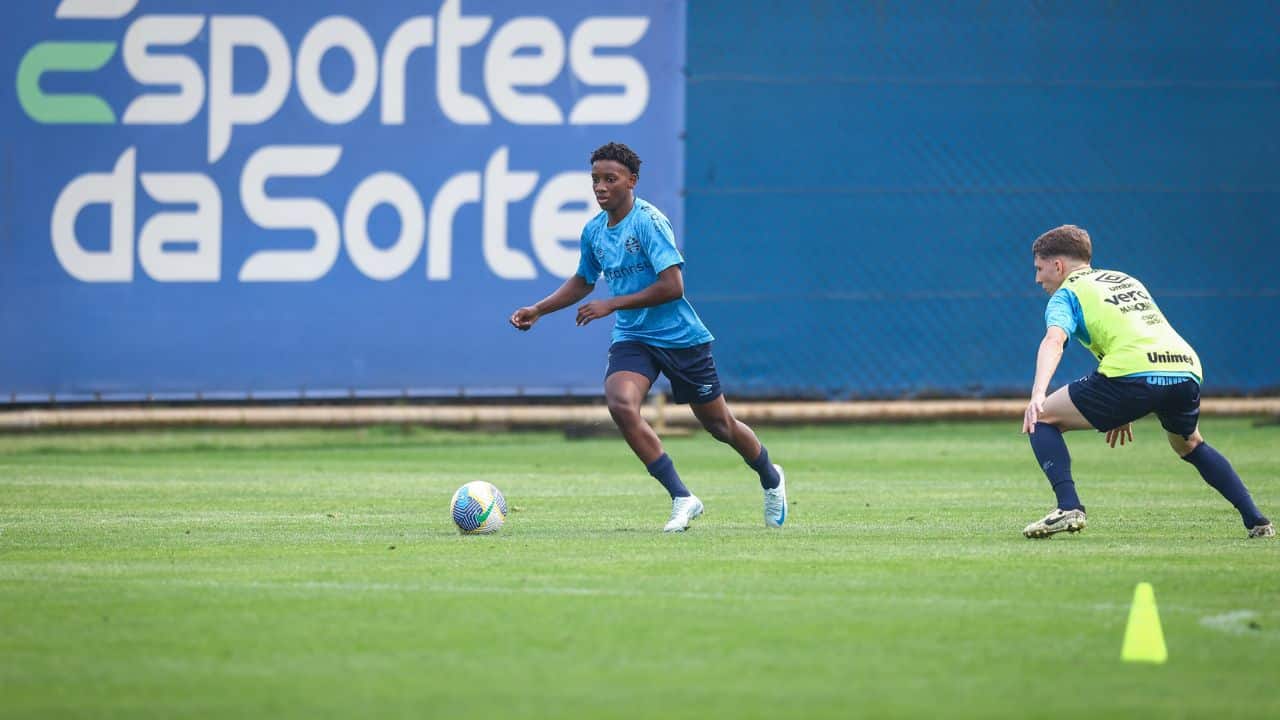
[(623, 412), (720, 429), (1185, 446), (1064, 424), (1046, 419), (1053, 422)]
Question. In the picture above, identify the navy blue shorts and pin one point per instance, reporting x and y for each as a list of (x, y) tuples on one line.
[(1107, 403), (691, 370)]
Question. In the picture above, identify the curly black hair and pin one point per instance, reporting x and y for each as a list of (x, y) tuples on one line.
[(618, 153)]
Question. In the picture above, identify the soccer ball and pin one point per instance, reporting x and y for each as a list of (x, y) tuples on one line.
[(478, 508)]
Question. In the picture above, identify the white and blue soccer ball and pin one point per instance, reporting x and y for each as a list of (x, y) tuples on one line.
[(478, 508)]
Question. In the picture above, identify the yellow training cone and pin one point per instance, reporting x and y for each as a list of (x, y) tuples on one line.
[(1143, 638)]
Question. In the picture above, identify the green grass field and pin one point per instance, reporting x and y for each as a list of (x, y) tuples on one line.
[(317, 574)]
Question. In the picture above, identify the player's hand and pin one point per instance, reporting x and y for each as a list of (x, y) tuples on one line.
[(594, 310), (1032, 414), (1124, 434), (524, 318)]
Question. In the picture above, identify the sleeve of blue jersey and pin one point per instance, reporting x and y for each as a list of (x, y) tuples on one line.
[(660, 243), (588, 266), (1063, 311)]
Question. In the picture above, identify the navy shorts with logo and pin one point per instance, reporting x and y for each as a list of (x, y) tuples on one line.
[(691, 370), (1107, 403)]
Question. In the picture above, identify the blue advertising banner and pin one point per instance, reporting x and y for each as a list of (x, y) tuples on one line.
[(251, 197)]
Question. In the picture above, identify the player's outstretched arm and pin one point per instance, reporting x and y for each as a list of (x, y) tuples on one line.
[(570, 292), (1047, 359), (669, 286)]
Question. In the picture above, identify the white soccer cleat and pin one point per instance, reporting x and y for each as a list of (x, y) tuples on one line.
[(1055, 522), (1261, 531), (683, 511), (775, 502)]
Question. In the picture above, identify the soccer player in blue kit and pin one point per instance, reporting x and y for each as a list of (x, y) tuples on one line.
[(656, 331)]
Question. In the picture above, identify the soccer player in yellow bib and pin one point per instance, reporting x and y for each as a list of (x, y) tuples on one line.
[(1144, 367)]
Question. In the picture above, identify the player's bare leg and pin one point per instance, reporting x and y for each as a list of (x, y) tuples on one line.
[(625, 392), (1184, 446), (718, 420), (1218, 473), (1061, 413)]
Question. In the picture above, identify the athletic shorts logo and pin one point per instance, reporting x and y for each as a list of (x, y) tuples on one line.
[(704, 389)]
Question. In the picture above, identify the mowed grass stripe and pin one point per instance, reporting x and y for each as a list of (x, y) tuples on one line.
[(205, 574)]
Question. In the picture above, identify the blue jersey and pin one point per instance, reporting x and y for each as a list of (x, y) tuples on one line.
[(630, 255), (1064, 311)]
